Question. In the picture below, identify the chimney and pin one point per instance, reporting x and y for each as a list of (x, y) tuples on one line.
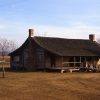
[(31, 32), (92, 37)]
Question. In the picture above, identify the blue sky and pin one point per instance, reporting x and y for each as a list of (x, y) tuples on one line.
[(56, 18)]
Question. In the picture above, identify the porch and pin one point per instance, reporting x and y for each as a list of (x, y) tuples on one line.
[(74, 63)]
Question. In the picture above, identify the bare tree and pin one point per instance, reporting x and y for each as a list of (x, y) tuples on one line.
[(12, 46), (6, 46)]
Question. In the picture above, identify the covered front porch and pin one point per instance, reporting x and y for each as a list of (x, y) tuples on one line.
[(74, 62), (80, 61)]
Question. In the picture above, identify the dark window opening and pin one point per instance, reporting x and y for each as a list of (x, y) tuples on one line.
[(40, 57), (71, 59), (16, 58), (52, 60)]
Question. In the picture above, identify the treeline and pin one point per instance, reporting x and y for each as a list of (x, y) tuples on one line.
[(7, 46)]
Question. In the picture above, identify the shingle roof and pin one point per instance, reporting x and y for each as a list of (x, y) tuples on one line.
[(65, 47), (69, 47)]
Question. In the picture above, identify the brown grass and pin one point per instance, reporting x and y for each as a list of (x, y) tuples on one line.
[(6, 58), (6, 64), (50, 86)]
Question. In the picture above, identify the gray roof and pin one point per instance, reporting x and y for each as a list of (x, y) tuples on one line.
[(69, 47), (65, 47)]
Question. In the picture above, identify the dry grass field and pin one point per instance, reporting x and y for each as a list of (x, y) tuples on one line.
[(49, 86), (6, 63)]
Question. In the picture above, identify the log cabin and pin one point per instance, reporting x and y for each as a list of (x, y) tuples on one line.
[(40, 53)]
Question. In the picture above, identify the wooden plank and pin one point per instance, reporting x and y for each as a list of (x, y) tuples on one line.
[(80, 61), (62, 62), (70, 62), (74, 61)]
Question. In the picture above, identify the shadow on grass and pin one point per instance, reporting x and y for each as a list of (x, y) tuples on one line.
[(42, 70)]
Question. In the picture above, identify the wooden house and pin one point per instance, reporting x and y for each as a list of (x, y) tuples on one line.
[(55, 53)]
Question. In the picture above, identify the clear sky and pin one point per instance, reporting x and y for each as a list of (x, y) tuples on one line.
[(56, 18)]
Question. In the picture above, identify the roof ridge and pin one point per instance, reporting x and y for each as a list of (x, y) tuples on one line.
[(60, 38)]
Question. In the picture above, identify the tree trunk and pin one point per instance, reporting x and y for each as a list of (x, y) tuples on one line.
[(3, 69)]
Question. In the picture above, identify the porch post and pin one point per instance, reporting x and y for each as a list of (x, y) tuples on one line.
[(80, 62), (62, 61), (62, 64), (74, 61), (85, 62)]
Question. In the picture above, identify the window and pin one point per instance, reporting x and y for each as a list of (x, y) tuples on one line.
[(16, 59), (26, 55), (40, 57)]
